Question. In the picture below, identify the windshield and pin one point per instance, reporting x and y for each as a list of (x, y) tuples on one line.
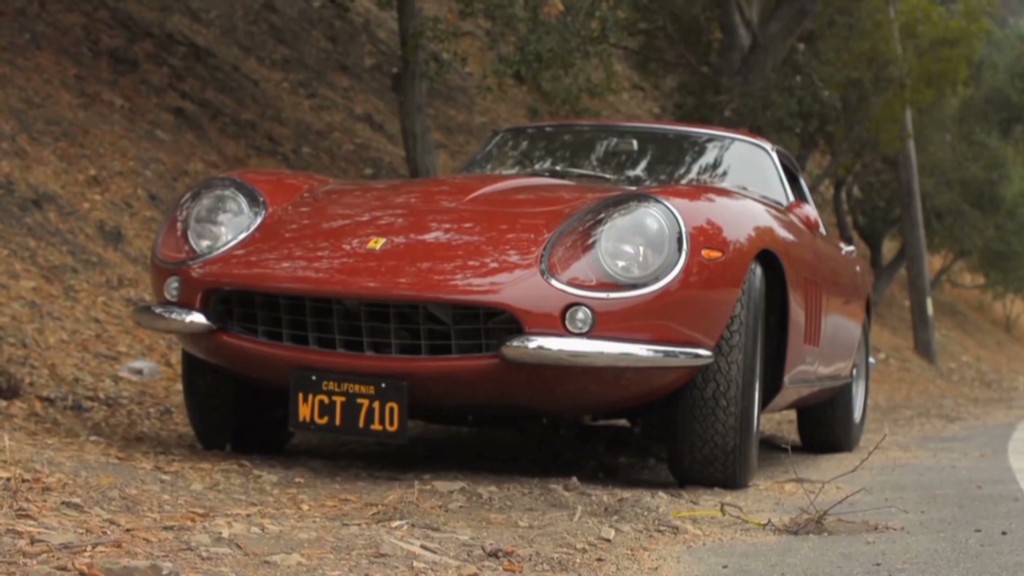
[(632, 156)]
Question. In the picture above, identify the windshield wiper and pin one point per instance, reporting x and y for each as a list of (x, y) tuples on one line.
[(566, 171)]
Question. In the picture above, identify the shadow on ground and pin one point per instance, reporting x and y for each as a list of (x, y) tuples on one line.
[(606, 455)]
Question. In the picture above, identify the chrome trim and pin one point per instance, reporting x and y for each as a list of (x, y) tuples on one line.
[(684, 254), (823, 382), (257, 202), (859, 384), (171, 319), (578, 351)]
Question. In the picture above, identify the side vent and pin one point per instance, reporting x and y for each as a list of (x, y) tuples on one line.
[(813, 303)]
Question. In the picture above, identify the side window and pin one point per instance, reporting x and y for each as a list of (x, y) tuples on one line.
[(796, 184), (799, 186)]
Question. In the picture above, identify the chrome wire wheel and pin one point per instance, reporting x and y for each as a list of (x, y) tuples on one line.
[(859, 383), (836, 424), (758, 377)]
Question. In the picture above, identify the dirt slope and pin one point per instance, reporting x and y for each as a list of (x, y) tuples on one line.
[(108, 109)]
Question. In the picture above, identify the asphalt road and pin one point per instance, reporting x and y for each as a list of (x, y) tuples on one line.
[(962, 513)]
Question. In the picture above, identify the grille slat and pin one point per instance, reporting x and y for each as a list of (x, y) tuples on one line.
[(362, 327)]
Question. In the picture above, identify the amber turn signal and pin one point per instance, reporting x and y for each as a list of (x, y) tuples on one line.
[(711, 254)]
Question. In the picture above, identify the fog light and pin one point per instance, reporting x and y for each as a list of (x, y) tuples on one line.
[(579, 319), (172, 288)]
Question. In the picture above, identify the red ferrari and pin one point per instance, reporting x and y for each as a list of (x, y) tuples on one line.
[(672, 275)]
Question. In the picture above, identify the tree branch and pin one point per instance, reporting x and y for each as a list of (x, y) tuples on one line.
[(885, 276), (777, 36), (749, 16), (841, 209), (945, 269), (736, 39)]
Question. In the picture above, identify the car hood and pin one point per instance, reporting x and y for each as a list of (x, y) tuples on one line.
[(445, 236)]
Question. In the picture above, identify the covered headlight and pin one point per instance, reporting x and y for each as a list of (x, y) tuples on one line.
[(217, 217), (638, 246), (629, 245), (212, 217)]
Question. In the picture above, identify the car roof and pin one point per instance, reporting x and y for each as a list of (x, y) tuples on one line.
[(654, 124)]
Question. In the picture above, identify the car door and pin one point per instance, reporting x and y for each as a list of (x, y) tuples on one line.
[(830, 288)]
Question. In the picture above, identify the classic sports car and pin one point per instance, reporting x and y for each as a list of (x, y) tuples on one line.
[(675, 276)]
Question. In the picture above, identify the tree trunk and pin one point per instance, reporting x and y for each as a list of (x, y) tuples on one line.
[(885, 274), (736, 37), (842, 210), (921, 310), (755, 40), (411, 88), (776, 37), (944, 271)]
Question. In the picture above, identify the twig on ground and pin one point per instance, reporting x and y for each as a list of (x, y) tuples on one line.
[(862, 461), (872, 509), (840, 501), (799, 480), (817, 516), (737, 512), (419, 550)]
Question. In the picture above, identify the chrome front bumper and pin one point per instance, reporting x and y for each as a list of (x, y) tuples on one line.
[(577, 351), (172, 319), (546, 350)]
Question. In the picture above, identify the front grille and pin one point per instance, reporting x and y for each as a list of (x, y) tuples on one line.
[(363, 327)]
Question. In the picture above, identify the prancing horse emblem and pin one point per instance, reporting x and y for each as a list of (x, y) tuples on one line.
[(376, 243)]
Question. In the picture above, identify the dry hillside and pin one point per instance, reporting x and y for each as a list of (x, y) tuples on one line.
[(108, 110)]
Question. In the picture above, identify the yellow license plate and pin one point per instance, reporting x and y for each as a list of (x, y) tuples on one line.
[(354, 406)]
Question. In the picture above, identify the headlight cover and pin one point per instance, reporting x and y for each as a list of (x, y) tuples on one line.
[(216, 218), (211, 218), (630, 245)]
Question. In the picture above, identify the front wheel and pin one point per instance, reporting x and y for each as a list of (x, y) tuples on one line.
[(837, 424), (224, 410), (713, 422)]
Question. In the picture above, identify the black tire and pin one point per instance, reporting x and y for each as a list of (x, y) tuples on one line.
[(713, 422), (837, 424), (224, 410)]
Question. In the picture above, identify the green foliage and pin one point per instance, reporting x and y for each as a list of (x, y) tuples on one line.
[(941, 41), (875, 204), (1000, 258), (964, 172), (855, 59), (971, 168), (559, 49), (997, 101)]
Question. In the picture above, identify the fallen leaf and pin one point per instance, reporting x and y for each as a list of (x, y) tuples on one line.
[(513, 567)]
